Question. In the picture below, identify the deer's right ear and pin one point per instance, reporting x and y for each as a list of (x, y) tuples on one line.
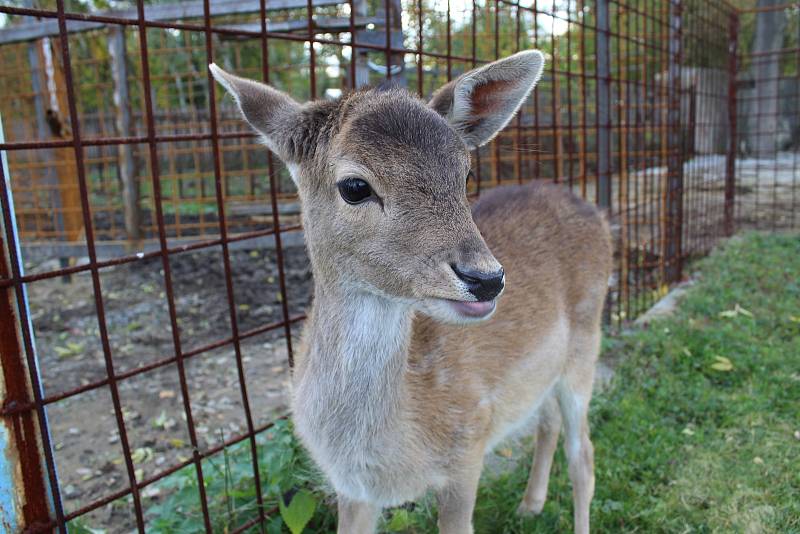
[(272, 113), (480, 103)]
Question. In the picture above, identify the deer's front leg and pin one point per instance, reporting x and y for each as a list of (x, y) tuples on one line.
[(357, 517), (457, 500)]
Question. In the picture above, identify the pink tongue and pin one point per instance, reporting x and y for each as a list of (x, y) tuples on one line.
[(473, 309)]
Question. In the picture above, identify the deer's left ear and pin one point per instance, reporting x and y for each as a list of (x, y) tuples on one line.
[(479, 103)]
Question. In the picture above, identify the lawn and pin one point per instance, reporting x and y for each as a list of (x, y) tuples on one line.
[(699, 430)]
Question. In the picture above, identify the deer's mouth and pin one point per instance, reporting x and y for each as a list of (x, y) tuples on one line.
[(476, 310)]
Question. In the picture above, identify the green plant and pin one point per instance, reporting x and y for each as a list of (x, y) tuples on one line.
[(289, 495)]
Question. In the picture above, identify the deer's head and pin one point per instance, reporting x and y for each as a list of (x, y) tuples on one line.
[(382, 179)]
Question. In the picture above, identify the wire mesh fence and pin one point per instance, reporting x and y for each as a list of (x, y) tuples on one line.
[(151, 257)]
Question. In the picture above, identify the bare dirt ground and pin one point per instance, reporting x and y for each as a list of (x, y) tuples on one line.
[(84, 428)]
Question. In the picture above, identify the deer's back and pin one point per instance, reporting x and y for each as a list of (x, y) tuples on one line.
[(555, 247)]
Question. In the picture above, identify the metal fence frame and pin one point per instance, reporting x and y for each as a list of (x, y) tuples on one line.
[(24, 410)]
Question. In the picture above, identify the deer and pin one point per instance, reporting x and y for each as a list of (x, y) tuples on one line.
[(436, 329)]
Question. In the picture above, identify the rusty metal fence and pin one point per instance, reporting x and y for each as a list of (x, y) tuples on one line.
[(150, 245)]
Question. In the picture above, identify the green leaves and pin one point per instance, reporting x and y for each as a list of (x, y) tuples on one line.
[(299, 512), (400, 521)]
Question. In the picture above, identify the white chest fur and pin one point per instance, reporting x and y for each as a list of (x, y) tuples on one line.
[(347, 403)]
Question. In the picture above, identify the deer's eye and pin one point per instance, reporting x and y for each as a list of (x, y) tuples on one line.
[(354, 190)]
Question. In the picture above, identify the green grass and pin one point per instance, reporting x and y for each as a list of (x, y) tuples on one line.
[(695, 434), (682, 445)]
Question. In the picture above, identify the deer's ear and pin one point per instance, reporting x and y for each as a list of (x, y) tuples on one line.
[(272, 113), (479, 103)]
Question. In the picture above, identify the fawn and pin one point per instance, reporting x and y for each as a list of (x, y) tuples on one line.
[(411, 368)]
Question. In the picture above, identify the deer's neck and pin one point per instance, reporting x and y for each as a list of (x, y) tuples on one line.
[(354, 368)]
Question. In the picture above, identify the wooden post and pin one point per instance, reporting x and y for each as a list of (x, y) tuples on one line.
[(673, 253), (730, 159), (360, 56), (396, 26), (603, 106), (54, 87), (558, 136), (127, 174), (44, 133)]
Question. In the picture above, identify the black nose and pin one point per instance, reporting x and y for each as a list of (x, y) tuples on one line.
[(485, 286)]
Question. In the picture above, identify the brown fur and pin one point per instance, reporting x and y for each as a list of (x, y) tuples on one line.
[(395, 390)]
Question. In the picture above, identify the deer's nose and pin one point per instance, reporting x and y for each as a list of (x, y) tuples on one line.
[(485, 286)]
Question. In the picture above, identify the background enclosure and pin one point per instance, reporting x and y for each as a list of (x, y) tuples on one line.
[(151, 245)]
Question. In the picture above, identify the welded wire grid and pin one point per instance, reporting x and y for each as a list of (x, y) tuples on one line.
[(636, 111), (768, 92)]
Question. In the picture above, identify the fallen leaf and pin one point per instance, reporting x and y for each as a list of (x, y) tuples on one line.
[(758, 460), (142, 454), (505, 452), (70, 350), (151, 491), (163, 422), (722, 364), (166, 394), (737, 310)]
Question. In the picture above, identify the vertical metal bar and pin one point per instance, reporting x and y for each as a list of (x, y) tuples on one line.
[(570, 147), (24, 500), (273, 187), (558, 151), (77, 144), (536, 154), (518, 133), (603, 36), (396, 30), (353, 54), (226, 259), (622, 58), (674, 249), (312, 54), (474, 64), (155, 172), (495, 144), (449, 45), (730, 160), (583, 168), (420, 26), (359, 57)]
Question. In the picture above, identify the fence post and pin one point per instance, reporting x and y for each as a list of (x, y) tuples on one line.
[(24, 489), (359, 55), (603, 36), (674, 194), (730, 160), (130, 189)]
